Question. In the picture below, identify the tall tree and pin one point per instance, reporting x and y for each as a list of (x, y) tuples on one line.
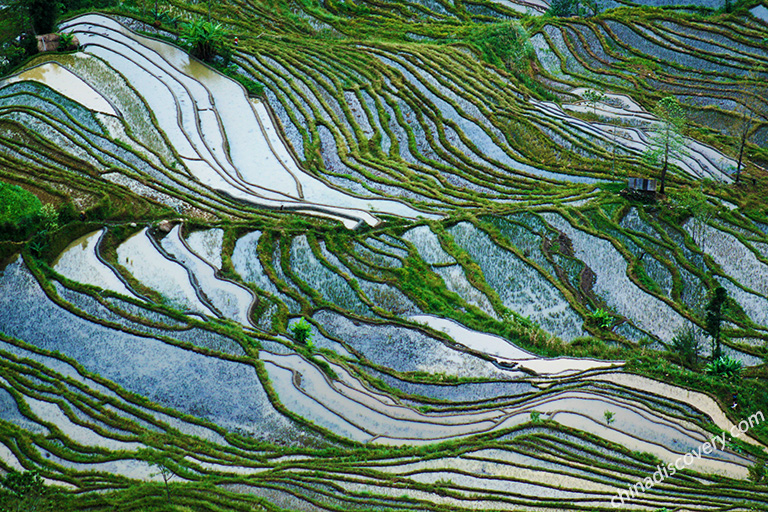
[(43, 14), (667, 141), (715, 318)]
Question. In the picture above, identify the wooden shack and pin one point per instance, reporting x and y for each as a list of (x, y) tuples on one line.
[(641, 186), (51, 43)]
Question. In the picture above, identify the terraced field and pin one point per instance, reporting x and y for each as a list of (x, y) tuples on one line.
[(492, 325)]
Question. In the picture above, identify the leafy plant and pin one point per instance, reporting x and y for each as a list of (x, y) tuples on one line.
[(609, 417), (563, 8), (302, 332), (205, 40), (568, 8), (17, 203), (535, 416), (601, 318), (39, 244), (48, 218), (66, 39), (724, 366), (167, 17)]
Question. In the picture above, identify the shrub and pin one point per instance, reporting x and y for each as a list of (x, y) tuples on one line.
[(302, 332), (17, 203), (505, 45), (593, 97), (22, 491), (205, 40), (686, 344), (167, 17), (724, 366), (65, 40), (23, 216), (48, 218), (13, 53), (563, 8), (757, 471), (601, 318)]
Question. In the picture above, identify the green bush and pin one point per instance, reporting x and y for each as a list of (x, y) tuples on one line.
[(302, 332), (25, 491), (167, 17), (13, 53), (686, 344), (757, 471), (48, 218), (724, 366), (601, 318), (65, 40), (22, 215), (205, 40), (505, 45), (16, 203)]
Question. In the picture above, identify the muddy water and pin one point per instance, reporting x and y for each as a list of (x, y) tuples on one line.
[(66, 83)]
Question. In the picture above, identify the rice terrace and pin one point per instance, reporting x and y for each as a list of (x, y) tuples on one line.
[(383, 255)]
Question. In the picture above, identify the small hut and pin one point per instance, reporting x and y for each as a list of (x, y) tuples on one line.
[(52, 42), (641, 186)]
